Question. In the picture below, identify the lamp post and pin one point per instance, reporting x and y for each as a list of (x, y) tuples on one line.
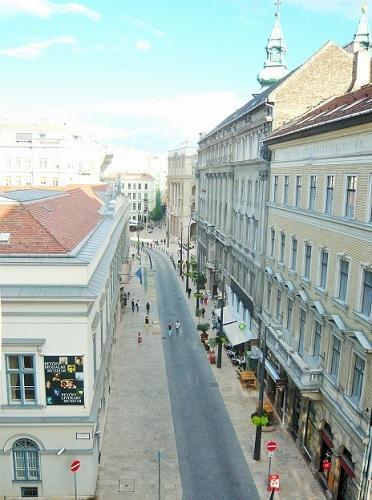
[(220, 333), (181, 250), (197, 273), (188, 255), (257, 443)]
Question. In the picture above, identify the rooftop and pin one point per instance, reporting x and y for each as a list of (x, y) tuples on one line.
[(52, 224), (351, 105)]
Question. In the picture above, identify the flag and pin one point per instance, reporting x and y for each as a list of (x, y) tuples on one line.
[(139, 275)]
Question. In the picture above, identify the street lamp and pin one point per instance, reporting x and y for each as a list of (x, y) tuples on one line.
[(181, 250), (188, 254), (220, 333), (257, 443)]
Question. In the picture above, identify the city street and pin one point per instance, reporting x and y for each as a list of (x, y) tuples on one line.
[(211, 461)]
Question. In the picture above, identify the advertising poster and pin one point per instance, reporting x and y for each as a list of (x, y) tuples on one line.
[(64, 380)]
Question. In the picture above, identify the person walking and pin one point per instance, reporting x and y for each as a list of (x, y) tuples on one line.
[(139, 338), (137, 305), (203, 312), (169, 330), (177, 326), (189, 292), (147, 321), (148, 307), (205, 299), (133, 305)]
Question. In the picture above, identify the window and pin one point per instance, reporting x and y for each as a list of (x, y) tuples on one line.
[(294, 254), (289, 313), (336, 352), (298, 190), (249, 192), (367, 294), (26, 460), (43, 181), (358, 372), (351, 185), (134, 185), (323, 269), (19, 181), (256, 193), (275, 188), (139, 185), (129, 186), (55, 181), (317, 338), (272, 248), (134, 205), (307, 261), (139, 206), (268, 295), (282, 247), (21, 379), (254, 242), (134, 196), (301, 332), (252, 282), (344, 277), (146, 186), (278, 304), (8, 181), (312, 194), (328, 209), (286, 189), (27, 492)]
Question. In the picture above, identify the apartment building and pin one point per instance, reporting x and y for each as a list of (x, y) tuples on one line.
[(181, 191), (61, 254), (233, 169), (46, 154), (317, 308)]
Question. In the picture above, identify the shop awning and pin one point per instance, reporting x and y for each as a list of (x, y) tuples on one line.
[(228, 316), (237, 336), (271, 370)]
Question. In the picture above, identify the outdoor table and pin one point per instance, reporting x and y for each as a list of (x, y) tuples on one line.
[(267, 406), (247, 379)]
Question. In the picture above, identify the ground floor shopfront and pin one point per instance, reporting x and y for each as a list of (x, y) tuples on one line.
[(334, 452)]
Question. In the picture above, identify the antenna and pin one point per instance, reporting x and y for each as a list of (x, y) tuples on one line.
[(277, 3)]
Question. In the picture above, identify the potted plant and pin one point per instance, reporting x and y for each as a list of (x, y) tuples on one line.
[(264, 421), (203, 328)]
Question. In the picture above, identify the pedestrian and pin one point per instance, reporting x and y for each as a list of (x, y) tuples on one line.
[(132, 255), (133, 305), (205, 299), (189, 292), (203, 312), (148, 307), (147, 320), (139, 338), (128, 294), (137, 305), (201, 300), (169, 330)]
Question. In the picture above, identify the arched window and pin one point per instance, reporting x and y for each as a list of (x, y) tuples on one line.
[(26, 460)]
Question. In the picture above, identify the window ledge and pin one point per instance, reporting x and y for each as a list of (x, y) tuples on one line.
[(322, 291), (363, 317), (354, 403), (26, 482), (341, 303), (23, 407)]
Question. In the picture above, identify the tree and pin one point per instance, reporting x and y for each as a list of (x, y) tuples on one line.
[(157, 213)]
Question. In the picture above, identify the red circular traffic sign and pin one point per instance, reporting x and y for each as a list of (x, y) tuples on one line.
[(75, 465), (271, 446)]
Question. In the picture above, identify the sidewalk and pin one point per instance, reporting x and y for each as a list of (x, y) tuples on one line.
[(139, 418), (296, 480)]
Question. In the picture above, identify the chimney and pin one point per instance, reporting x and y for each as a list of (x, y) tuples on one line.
[(361, 69)]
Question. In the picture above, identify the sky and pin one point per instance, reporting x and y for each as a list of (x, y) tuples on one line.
[(148, 74)]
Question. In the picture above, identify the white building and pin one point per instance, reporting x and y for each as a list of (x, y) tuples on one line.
[(45, 154), (181, 190), (60, 286), (141, 191)]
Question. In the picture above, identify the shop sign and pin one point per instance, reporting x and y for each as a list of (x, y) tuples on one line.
[(326, 465), (64, 380)]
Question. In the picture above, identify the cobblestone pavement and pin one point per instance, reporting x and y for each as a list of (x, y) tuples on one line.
[(139, 420)]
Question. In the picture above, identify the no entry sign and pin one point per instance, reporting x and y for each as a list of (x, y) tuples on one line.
[(75, 465), (271, 446)]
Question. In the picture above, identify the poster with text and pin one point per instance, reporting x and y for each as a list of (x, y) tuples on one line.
[(64, 380)]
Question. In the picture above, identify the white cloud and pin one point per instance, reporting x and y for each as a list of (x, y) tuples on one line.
[(143, 26), (142, 45), (44, 9), (34, 50)]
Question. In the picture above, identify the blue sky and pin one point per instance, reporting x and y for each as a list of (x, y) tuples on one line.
[(150, 74)]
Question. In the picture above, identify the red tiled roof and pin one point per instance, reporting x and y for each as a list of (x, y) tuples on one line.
[(53, 225), (343, 107)]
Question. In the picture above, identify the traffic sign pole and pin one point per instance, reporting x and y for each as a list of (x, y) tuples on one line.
[(74, 467), (75, 485)]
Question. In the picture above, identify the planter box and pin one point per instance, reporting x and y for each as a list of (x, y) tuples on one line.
[(212, 358)]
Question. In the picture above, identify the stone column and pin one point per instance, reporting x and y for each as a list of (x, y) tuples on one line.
[(223, 201), (230, 187)]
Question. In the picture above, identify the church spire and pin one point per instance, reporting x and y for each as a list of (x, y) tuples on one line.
[(274, 68), (362, 38)]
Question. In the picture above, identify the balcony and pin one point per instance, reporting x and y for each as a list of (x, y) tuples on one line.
[(307, 379)]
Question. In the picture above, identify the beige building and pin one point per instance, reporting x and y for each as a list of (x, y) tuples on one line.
[(317, 308), (181, 191)]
